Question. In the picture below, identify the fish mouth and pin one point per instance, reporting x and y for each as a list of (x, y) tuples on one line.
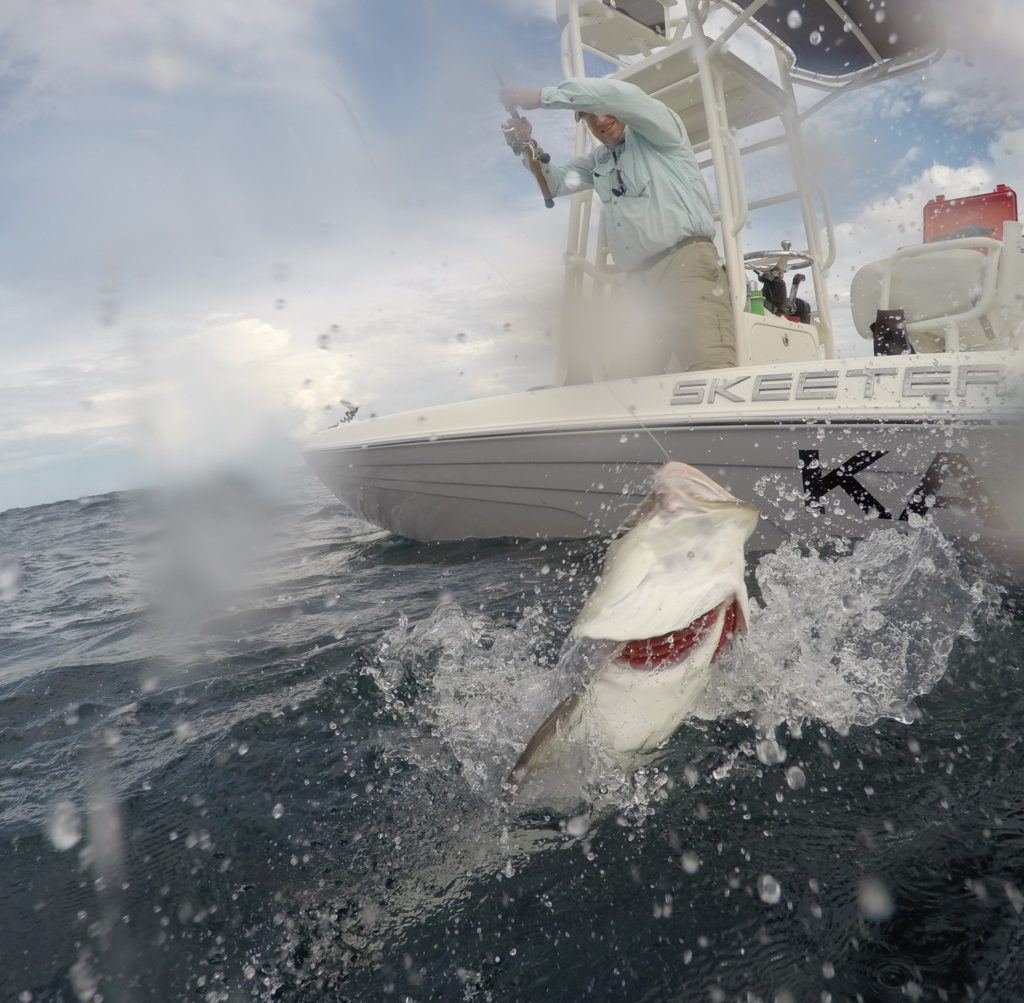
[(673, 647)]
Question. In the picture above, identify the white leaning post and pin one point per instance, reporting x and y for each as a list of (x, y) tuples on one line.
[(723, 171), (806, 189)]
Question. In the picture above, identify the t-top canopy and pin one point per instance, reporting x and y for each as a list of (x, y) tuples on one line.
[(834, 38)]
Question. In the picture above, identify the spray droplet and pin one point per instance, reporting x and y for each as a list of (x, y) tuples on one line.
[(65, 826), (796, 778), (278, 810), (690, 862), (794, 19), (815, 38), (769, 890)]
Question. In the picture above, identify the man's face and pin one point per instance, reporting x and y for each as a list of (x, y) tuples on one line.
[(606, 128)]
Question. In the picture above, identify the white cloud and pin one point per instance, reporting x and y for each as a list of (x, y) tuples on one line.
[(544, 9), (50, 51)]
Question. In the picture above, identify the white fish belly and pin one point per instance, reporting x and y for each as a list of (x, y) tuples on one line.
[(636, 709)]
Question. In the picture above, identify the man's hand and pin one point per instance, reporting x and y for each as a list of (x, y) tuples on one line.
[(520, 97), (518, 131)]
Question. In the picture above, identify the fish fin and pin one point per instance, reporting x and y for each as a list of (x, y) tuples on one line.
[(545, 733)]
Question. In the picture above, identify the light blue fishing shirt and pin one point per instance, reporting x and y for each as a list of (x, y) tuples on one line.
[(651, 190)]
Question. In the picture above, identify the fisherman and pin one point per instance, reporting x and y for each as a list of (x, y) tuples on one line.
[(658, 217)]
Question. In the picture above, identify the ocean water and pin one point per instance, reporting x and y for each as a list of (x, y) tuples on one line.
[(252, 748)]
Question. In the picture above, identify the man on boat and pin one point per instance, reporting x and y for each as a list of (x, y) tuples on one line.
[(658, 220)]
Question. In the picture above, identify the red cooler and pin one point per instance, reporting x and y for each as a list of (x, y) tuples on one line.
[(974, 216)]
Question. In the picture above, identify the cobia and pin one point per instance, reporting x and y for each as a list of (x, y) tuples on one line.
[(670, 595)]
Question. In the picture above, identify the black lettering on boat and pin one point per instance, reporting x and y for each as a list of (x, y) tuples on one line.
[(818, 484), (975, 498)]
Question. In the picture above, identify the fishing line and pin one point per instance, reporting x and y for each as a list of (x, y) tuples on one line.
[(632, 414)]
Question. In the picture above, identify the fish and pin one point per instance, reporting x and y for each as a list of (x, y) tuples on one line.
[(670, 595)]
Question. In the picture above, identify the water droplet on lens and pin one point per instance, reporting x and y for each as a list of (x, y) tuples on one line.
[(770, 752), (769, 890), (815, 38), (873, 620), (577, 826), (10, 578), (851, 603), (943, 646), (874, 900), (65, 826), (461, 336), (690, 862), (796, 778), (794, 19)]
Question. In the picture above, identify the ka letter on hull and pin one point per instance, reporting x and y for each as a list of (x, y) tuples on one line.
[(670, 595)]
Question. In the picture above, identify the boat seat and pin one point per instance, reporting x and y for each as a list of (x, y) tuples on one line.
[(929, 287)]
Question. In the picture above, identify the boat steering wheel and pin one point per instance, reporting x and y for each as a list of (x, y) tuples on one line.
[(785, 260)]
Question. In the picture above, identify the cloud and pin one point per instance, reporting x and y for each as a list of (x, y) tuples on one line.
[(527, 9), (50, 51)]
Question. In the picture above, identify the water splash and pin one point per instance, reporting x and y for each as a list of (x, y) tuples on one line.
[(852, 637), (479, 687)]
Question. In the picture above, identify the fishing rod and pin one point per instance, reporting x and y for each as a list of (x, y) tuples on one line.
[(513, 130)]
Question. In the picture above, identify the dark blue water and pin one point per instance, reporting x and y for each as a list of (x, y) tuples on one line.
[(251, 749)]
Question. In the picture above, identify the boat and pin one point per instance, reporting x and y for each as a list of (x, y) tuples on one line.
[(826, 446)]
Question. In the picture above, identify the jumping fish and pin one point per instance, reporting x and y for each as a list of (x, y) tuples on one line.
[(670, 595)]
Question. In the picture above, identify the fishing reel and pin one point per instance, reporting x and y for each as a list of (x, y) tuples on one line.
[(770, 267), (511, 131)]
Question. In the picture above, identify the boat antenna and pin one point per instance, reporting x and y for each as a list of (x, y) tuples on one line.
[(631, 411)]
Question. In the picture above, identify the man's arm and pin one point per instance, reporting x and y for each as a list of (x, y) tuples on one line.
[(652, 119), (575, 175)]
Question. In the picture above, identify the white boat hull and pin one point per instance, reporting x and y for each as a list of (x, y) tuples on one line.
[(821, 449)]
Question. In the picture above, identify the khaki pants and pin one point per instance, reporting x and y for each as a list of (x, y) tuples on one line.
[(679, 306)]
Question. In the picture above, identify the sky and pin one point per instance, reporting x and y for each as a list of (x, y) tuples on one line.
[(220, 218)]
